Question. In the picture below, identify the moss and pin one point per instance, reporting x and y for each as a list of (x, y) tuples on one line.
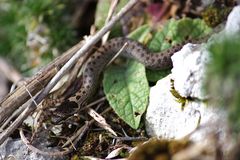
[(93, 145), (215, 15), (179, 98)]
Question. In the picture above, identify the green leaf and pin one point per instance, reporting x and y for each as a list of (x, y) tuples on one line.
[(174, 32), (127, 91), (154, 76), (140, 33), (103, 9)]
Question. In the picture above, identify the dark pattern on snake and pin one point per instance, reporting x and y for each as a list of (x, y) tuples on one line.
[(98, 61)]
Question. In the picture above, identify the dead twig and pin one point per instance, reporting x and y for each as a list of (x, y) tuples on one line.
[(93, 103), (111, 11), (12, 116), (127, 138), (117, 54), (36, 150), (9, 71), (75, 138), (101, 121)]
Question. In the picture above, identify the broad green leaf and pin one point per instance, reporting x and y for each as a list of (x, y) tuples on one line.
[(174, 32), (127, 90), (154, 76)]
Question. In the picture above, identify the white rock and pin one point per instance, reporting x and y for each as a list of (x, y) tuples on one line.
[(188, 70), (233, 21), (165, 117)]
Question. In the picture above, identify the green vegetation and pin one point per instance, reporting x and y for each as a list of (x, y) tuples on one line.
[(214, 15), (41, 22), (223, 80)]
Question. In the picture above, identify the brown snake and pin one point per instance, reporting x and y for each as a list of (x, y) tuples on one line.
[(98, 61)]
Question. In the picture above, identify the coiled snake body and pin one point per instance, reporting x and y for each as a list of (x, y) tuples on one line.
[(98, 61)]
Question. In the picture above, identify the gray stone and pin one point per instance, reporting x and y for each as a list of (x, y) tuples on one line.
[(16, 149)]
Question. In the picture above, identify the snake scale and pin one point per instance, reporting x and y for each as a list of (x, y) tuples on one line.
[(100, 58)]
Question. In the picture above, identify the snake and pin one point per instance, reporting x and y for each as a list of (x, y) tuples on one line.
[(98, 61)]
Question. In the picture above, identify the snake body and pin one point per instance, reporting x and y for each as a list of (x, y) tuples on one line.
[(135, 50), (99, 59)]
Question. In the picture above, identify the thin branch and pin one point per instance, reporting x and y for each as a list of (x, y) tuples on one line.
[(76, 137), (36, 150), (12, 116), (9, 71), (111, 11), (129, 138), (118, 53), (94, 103)]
